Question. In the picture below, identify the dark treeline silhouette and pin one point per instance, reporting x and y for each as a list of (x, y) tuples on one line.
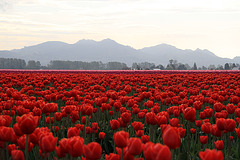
[(13, 63)]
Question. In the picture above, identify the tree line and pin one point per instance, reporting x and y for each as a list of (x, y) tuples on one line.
[(13, 63)]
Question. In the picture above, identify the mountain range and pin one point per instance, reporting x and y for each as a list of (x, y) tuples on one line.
[(108, 50)]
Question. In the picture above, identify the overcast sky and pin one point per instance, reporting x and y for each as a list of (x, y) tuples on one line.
[(186, 24)]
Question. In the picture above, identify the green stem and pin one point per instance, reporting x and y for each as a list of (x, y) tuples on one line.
[(26, 148)]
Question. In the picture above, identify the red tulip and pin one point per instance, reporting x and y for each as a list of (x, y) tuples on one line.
[(220, 124), (63, 145), (75, 146), (86, 109), (92, 151), (211, 155), (189, 114), (114, 124), (174, 122), (48, 143), (101, 135), (72, 131), (21, 141), (206, 127), (17, 155), (197, 105), (156, 151), (145, 138), (27, 123), (7, 134), (126, 117), (11, 147), (112, 156), (171, 138), (198, 123), (238, 132), (229, 125), (150, 118), (219, 144), (134, 146), (137, 125), (230, 108), (121, 139), (204, 139)]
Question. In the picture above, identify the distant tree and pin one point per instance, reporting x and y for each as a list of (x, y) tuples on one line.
[(172, 64), (234, 65), (226, 66), (12, 63), (219, 67), (160, 67), (33, 64), (211, 67), (135, 66), (194, 66), (182, 67), (171, 61)]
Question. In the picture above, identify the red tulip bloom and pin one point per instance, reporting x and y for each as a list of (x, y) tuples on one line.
[(189, 114), (7, 134), (174, 122), (17, 155), (211, 155), (150, 118), (126, 117), (197, 105), (230, 108), (112, 156), (11, 147), (58, 116), (121, 139), (238, 132), (161, 120), (134, 146), (75, 146), (86, 109), (218, 107), (156, 151), (72, 131), (181, 132), (48, 143), (137, 125), (206, 127), (215, 131), (229, 125), (114, 124), (63, 145), (101, 135), (220, 124), (5, 120), (92, 151), (171, 138), (21, 141), (27, 123), (237, 112), (193, 130), (219, 144), (204, 139), (145, 138), (198, 123)]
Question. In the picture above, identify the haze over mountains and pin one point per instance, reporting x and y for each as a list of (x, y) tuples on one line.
[(108, 51)]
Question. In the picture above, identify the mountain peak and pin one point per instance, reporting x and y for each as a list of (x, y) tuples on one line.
[(108, 40)]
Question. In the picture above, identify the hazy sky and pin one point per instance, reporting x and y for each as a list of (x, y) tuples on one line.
[(186, 24)]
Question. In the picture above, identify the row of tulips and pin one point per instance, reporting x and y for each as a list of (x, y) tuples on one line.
[(119, 116)]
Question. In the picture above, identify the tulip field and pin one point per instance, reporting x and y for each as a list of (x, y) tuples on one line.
[(119, 115)]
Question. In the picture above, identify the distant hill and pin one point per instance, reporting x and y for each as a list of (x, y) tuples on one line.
[(108, 50)]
